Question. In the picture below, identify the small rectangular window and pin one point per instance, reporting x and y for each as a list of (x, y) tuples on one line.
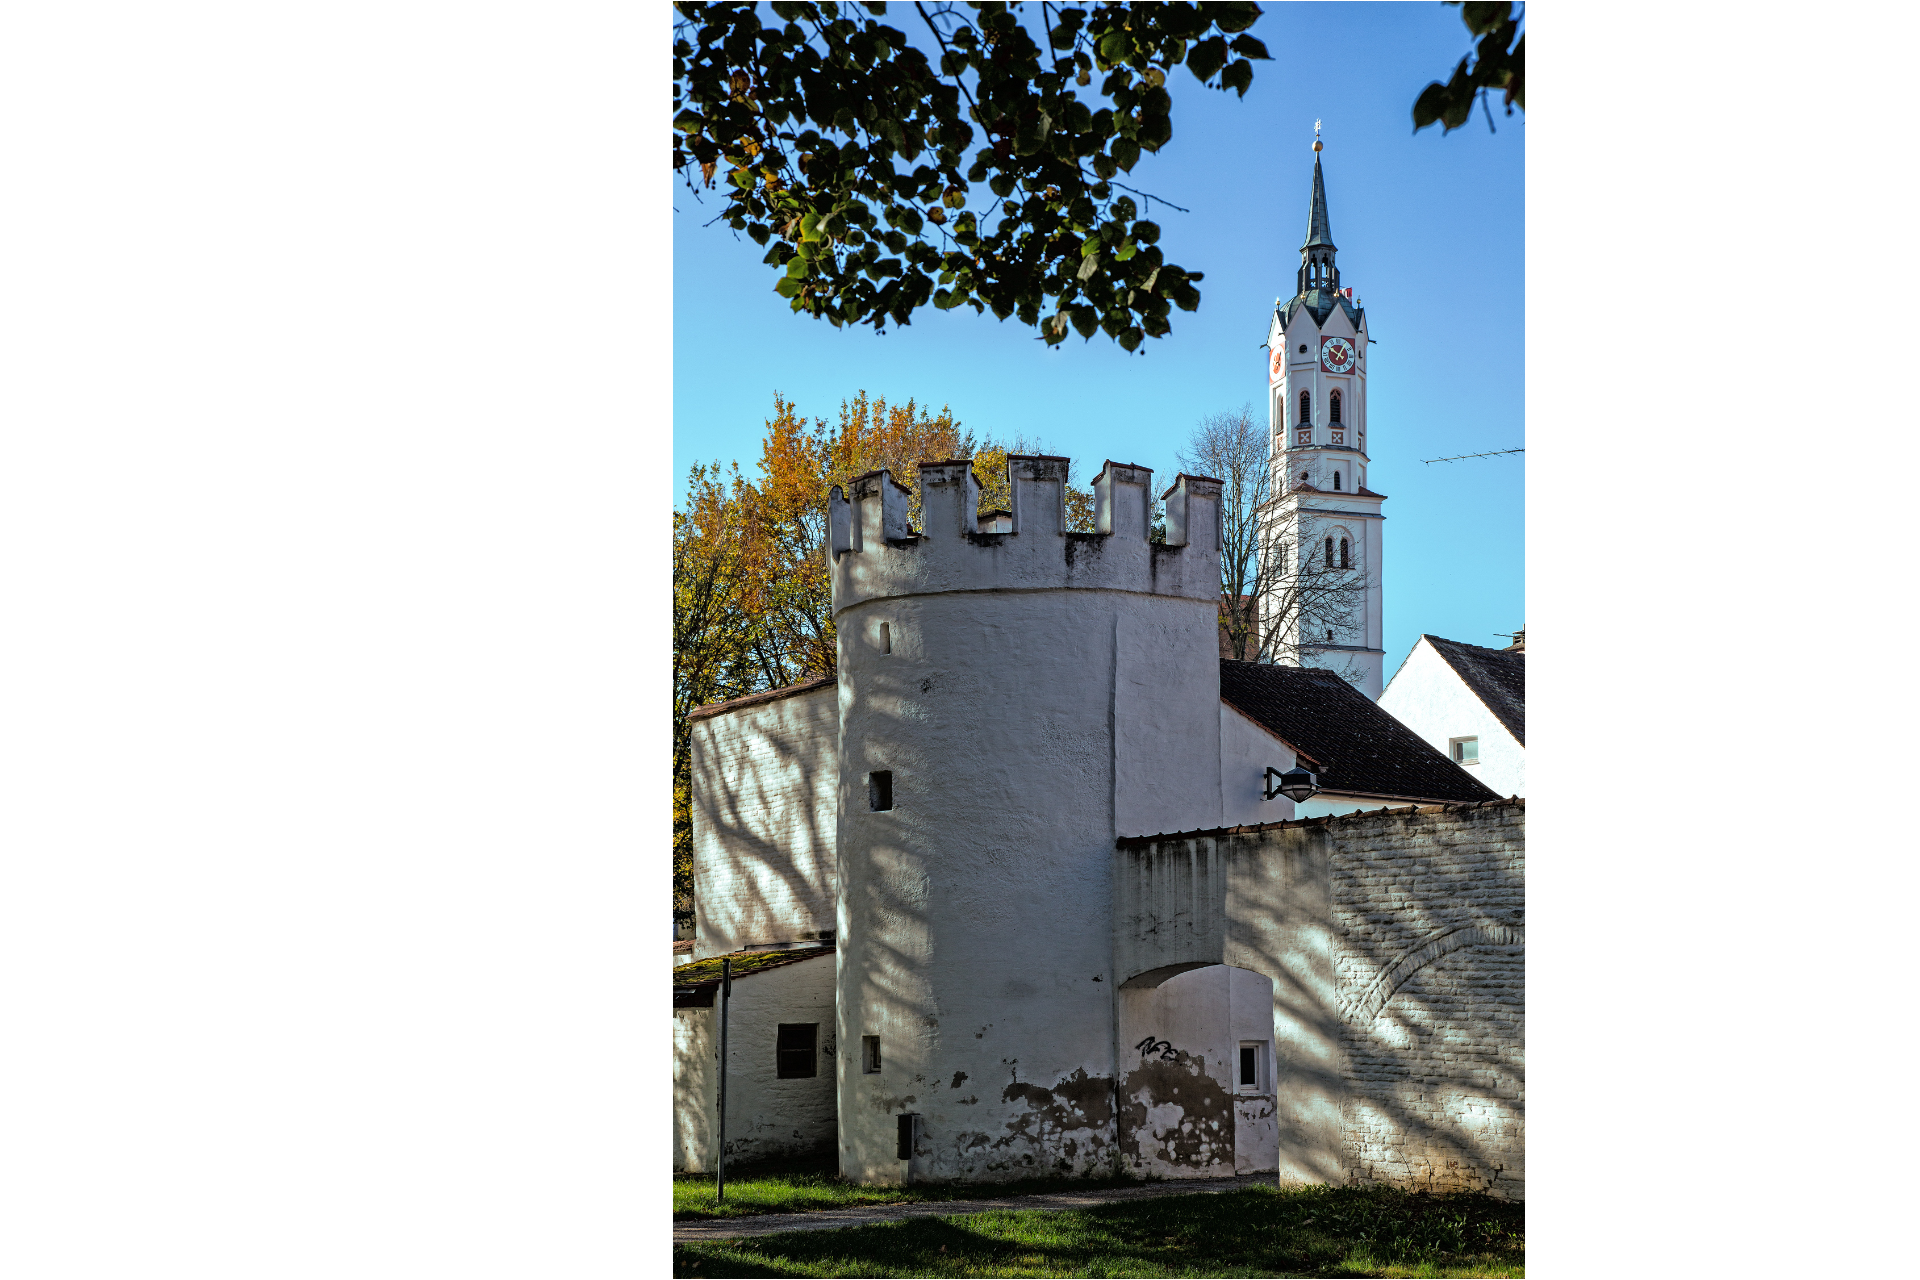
[(1252, 1076), (886, 637), (1466, 750), (794, 1056), (880, 790), (870, 1055)]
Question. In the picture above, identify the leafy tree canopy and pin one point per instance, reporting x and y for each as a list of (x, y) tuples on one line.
[(856, 159), (1498, 61)]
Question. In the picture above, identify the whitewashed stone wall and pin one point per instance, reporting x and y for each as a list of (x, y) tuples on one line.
[(1429, 919), (767, 1117), (764, 780)]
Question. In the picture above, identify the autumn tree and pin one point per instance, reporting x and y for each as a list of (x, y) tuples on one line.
[(752, 585)]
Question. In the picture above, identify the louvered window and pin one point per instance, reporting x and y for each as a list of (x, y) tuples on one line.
[(794, 1051), (1333, 406)]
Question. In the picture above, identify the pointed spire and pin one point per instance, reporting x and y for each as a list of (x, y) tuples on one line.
[(1318, 233)]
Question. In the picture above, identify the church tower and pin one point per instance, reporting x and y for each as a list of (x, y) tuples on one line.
[(1323, 529)]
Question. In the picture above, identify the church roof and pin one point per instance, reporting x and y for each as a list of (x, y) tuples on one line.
[(1320, 304), (1358, 748), (1498, 677)]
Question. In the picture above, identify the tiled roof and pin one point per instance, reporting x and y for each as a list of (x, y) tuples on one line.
[(755, 699), (1361, 750), (694, 985), (1498, 677)]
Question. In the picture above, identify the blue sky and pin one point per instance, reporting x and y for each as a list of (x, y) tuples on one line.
[(1431, 235)]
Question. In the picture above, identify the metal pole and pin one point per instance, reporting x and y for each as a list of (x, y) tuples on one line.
[(720, 1162)]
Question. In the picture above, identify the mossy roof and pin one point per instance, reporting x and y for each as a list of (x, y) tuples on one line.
[(706, 973)]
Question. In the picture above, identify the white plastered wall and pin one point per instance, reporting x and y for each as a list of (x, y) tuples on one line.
[(1429, 697), (1247, 751), (764, 780), (767, 1117)]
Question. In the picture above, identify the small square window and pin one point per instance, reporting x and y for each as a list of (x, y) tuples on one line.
[(886, 637), (1466, 750), (880, 790), (870, 1055), (794, 1056)]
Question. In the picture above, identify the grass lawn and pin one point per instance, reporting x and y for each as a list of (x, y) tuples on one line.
[(810, 1186), (1306, 1231)]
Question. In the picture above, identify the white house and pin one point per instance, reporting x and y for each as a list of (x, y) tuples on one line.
[(1469, 702)]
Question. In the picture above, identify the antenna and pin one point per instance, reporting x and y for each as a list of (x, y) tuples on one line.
[(1458, 456)]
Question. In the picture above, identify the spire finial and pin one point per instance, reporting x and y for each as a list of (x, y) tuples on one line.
[(1316, 135)]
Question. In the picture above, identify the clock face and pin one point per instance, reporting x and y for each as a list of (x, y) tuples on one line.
[(1337, 355), (1277, 367)]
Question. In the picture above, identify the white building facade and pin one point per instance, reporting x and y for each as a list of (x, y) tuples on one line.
[(1470, 703), (1324, 519)]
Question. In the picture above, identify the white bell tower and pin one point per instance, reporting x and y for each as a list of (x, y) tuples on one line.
[(1324, 524)]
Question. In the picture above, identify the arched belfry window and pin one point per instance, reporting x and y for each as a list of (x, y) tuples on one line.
[(1329, 553), (1306, 408), (1336, 482), (1333, 406), (1344, 562)]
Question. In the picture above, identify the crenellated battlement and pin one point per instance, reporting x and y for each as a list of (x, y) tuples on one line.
[(874, 553)]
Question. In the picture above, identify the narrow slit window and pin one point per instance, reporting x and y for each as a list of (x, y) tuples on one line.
[(1306, 408), (1336, 482), (796, 1054), (886, 637), (1345, 563), (1333, 406), (1329, 553), (870, 1055), (880, 790)]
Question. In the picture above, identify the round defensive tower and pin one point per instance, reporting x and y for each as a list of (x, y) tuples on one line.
[(1010, 703)]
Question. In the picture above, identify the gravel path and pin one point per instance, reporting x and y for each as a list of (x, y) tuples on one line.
[(766, 1224)]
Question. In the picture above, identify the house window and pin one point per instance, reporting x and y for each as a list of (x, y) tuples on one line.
[(870, 1055), (794, 1056), (880, 790), (1329, 553), (1465, 750), (1333, 406), (1252, 1076), (1306, 408), (1344, 562), (886, 637)]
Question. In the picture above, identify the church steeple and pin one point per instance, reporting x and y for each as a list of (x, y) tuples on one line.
[(1317, 270)]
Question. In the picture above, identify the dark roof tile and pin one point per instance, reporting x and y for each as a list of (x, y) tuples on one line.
[(1498, 677), (1360, 748)]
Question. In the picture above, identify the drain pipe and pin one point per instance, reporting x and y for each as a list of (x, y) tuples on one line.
[(720, 1163)]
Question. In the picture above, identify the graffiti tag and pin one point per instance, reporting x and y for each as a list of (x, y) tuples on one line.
[(1164, 1048)]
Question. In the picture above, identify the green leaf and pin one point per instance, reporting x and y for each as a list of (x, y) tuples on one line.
[(1428, 106), (1482, 16), (1126, 153), (1232, 15), (1207, 58)]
